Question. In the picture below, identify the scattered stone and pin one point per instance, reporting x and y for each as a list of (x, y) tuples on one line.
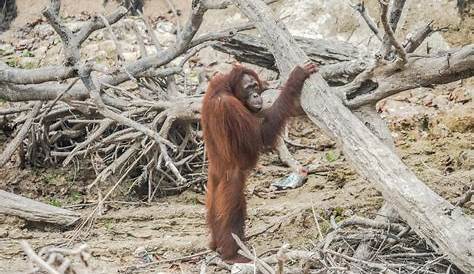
[(459, 119), (28, 44), (166, 26), (466, 159), (107, 45), (460, 96), (131, 56), (441, 102), (3, 232), (143, 255), (428, 100), (44, 30), (144, 234), (28, 62), (6, 49)]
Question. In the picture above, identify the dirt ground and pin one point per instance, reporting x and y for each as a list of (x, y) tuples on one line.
[(434, 135), (174, 227)]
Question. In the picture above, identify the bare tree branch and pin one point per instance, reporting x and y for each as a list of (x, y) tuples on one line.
[(370, 22), (440, 223), (414, 40), (419, 72), (402, 60), (96, 23), (396, 9), (70, 47), (15, 143)]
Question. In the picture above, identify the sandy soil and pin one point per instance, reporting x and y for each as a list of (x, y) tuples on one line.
[(173, 227)]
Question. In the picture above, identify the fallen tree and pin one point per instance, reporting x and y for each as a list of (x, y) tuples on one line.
[(445, 227), (340, 61), (11, 204)]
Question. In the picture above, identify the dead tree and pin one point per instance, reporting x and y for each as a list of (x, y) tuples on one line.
[(441, 224), (11, 204)]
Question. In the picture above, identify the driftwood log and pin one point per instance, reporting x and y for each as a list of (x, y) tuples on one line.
[(15, 205), (341, 61), (446, 228)]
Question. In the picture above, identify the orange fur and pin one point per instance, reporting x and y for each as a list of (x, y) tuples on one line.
[(234, 137)]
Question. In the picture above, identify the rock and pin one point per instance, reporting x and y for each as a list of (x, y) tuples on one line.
[(76, 25), (144, 234), (441, 102), (131, 56), (28, 62), (428, 100), (165, 39), (142, 255), (6, 49), (44, 30), (100, 56), (28, 44), (107, 45), (166, 26), (460, 96), (466, 159), (3, 232), (348, 212), (418, 95), (98, 36), (459, 119), (90, 48)]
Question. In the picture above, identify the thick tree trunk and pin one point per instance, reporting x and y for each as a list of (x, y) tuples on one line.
[(372, 120), (446, 228), (340, 60), (11, 204)]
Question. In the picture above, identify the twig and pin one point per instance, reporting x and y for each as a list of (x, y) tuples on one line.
[(466, 197), (226, 33), (37, 259), (96, 23), (402, 60), (370, 22), (118, 47), (395, 13), (104, 174), (244, 251), (95, 95), (193, 51), (103, 126), (15, 110), (176, 15), (51, 105), (428, 263), (70, 45), (282, 258), (396, 9), (223, 4), (178, 259), (382, 267), (13, 145), (111, 190), (366, 222), (316, 221), (141, 43), (414, 40), (151, 32)]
